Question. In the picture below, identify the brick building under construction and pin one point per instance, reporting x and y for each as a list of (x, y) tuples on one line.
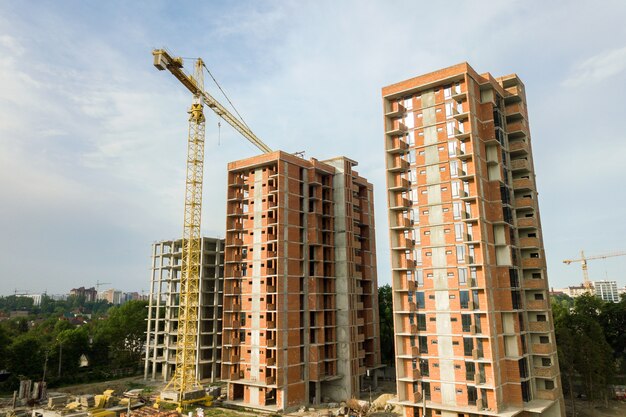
[(300, 294), (473, 326)]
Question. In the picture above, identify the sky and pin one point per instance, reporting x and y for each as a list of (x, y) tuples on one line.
[(93, 137)]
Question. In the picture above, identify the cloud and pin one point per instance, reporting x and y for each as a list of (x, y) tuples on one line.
[(598, 68), (93, 138)]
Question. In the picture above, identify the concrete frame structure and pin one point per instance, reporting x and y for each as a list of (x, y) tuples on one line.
[(300, 294), (160, 359), (473, 326)]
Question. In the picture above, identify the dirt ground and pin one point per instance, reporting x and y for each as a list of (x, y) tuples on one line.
[(585, 409), (119, 385)]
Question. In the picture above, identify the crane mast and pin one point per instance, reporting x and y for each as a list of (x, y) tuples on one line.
[(184, 387), (184, 379)]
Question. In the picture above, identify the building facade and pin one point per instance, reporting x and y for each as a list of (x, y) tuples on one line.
[(473, 326), (162, 328), (300, 294)]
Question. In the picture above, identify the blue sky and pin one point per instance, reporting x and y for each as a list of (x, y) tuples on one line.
[(92, 137)]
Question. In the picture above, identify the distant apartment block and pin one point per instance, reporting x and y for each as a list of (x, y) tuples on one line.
[(162, 328), (606, 290), (574, 290), (300, 293), (90, 294), (36, 298), (473, 327), (111, 295)]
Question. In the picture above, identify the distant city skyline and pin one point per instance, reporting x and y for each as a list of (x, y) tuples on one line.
[(92, 136)]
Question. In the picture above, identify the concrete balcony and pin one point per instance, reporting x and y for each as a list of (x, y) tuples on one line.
[(530, 242), (460, 115), (416, 374), (532, 263), (271, 307), (545, 394), (270, 380), (459, 95), (520, 165), (523, 184), (543, 348), (405, 264), (537, 305), (539, 326), (517, 129), (234, 376), (271, 343), (397, 145), (404, 243), (396, 109), (399, 165), (534, 284), (400, 184), (234, 242), (515, 111), (518, 148), (400, 203), (514, 95), (396, 128), (235, 195), (545, 371), (524, 203), (270, 361), (527, 223), (236, 182), (402, 223)]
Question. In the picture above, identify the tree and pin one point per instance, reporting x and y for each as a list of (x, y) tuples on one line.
[(25, 356), (4, 344), (583, 349), (613, 321), (124, 330), (385, 306)]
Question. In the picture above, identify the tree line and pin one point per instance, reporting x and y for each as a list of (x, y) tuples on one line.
[(50, 340)]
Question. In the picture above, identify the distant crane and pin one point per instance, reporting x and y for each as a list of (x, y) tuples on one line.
[(99, 284), (184, 382), (583, 260)]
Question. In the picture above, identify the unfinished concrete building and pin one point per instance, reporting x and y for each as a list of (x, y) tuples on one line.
[(162, 328), (473, 327), (300, 294)]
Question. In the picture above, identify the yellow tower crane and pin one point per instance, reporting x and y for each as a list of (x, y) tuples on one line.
[(583, 260), (184, 387)]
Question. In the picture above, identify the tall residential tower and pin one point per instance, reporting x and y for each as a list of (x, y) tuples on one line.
[(473, 327), (300, 294)]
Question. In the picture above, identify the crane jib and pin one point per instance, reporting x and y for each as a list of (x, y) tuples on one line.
[(164, 61)]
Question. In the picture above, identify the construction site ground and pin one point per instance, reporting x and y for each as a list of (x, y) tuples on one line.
[(385, 390)]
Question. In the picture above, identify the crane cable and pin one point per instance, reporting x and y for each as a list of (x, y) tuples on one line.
[(224, 93)]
